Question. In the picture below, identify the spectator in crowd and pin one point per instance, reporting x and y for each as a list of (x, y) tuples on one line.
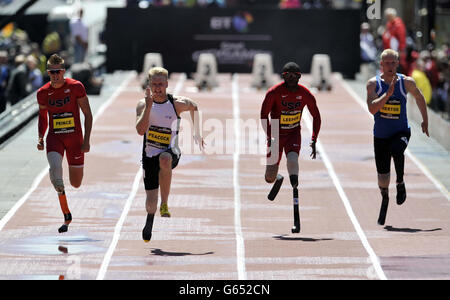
[(79, 32), (421, 79), (411, 57), (42, 60), (4, 75), (288, 4), (51, 43), (394, 36), (431, 68), (35, 79), (367, 44), (18, 87)]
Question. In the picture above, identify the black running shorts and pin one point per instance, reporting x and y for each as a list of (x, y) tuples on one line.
[(389, 147)]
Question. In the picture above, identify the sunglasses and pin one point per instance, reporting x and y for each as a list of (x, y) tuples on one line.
[(296, 73), (55, 71)]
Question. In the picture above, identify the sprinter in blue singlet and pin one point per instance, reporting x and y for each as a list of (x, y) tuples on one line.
[(386, 100)]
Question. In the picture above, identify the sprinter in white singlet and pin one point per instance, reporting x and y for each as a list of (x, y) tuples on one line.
[(157, 120)]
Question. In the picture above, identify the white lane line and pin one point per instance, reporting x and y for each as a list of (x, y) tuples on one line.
[(37, 180), (418, 163), (372, 256), (118, 228), (108, 255), (240, 246)]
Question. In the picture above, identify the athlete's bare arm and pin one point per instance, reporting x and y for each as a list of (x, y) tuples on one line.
[(374, 102), (86, 109), (183, 104), (266, 108), (143, 109), (411, 87), (42, 126)]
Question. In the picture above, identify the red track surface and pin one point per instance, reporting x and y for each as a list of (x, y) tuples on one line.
[(222, 225)]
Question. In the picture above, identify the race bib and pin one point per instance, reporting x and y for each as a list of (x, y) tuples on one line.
[(290, 119), (159, 137), (63, 123), (391, 110)]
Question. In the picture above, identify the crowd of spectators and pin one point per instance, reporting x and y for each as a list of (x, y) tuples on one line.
[(22, 66), (428, 65), (282, 4)]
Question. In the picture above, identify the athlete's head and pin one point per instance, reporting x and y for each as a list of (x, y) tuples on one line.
[(56, 70), (389, 62), (291, 74), (158, 82)]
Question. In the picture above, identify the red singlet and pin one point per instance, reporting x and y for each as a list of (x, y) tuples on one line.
[(287, 107), (65, 131)]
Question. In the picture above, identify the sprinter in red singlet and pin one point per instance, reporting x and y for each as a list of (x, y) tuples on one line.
[(284, 103), (60, 101)]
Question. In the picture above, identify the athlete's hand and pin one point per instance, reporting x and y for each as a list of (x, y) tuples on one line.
[(148, 97), (85, 147), (313, 149), (199, 141), (40, 144), (425, 128), (391, 88)]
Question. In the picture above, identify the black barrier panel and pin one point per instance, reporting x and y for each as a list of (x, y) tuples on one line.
[(234, 36)]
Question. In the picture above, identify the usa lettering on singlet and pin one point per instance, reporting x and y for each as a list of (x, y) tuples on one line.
[(162, 133), (392, 117)]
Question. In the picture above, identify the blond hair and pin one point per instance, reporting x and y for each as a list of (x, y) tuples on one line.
[(389, 52), (157, 71), (55, 59)]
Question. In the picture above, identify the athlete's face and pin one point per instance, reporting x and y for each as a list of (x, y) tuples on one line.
[(158, 85), (389, 65), (56, 73), (291, 78)]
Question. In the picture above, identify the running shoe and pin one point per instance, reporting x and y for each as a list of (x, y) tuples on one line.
[(147, 234), (164, 211)]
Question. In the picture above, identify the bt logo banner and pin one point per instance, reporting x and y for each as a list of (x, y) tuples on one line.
[(238, 22)]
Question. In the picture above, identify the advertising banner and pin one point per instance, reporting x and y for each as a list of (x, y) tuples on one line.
[(233, 36)]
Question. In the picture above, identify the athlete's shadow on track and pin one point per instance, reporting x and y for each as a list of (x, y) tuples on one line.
[(166, 253), (304, 239), (409, 230)]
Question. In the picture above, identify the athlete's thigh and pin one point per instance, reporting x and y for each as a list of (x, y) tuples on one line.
[(382, 155), (73, 150), (76, 175), (399, 143), (54, 144), (151, 169), (292, 143)]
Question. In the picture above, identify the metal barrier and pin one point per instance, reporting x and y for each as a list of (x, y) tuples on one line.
[(17, 116)]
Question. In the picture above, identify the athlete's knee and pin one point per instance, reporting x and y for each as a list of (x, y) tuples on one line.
[(383, 180), (58, 184), (270, 178), (56, 171), (75, 176), (75, 183), (294, 180), (292, 162), (165, 160)]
